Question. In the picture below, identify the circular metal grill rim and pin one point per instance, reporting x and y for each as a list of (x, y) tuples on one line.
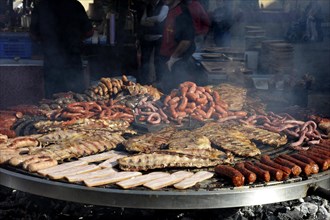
[(148, 199)]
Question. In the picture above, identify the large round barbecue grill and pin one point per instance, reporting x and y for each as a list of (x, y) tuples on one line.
[(209, 194), (68, 145)]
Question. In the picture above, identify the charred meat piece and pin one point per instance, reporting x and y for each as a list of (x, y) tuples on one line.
[(148, 161), (149, 142), (263, 136)]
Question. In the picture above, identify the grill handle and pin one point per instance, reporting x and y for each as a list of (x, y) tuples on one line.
[(319, 191)]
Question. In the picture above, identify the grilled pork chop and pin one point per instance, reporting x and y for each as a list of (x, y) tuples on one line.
[(229, 139), (188, 140), (263, 136), (149, 142)]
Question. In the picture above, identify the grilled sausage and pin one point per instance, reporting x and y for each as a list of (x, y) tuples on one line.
[(323, 163), (8, 132), (295, 170), (304, 166), (174, 100), (184, 90), (263, 175), (265, 159), (250, 177), (314, 166), (276, 174), (320, 151), (167, 99), (192, 96), (322, 147), (236, 177), (183, 104)]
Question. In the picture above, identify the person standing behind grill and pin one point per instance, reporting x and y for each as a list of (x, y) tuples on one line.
[(222, 21), (61, 26), (201, 22), (177, 46), (152, 23)]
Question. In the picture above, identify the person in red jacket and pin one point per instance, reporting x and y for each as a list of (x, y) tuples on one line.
[(201, 22), (177, 46)]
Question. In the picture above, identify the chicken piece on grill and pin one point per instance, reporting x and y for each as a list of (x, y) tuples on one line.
[(229, 139), (188, 140), (210, 153), (233, 95), (149, 142), (263, 136), (162, 159)]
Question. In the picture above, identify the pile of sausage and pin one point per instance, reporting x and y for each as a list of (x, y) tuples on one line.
[(198, 102), (303, 132), (98, 110), (148, 111), (7, 120), (278, 169), (108, 87)]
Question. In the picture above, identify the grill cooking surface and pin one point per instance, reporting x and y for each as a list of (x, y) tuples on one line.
[(213, 193)]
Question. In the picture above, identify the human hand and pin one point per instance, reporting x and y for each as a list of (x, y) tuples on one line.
[(171, 62)]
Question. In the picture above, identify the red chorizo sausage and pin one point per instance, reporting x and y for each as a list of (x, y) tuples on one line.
[(191, 105), (304, 166), (167, 99), (315, 167), (8, 132), (263, 175), (188, 83), (200, 112), (323, 163), (276, 174), (184, 90), (200, 88), (219, 109), (322, 147), (192, 96), (250, 177), (240, 113), (197, 117), (192, 89), (173, 112), (319, 155), (295, 170), (320, 151), (174, 100), (265, 159), (209, 97), (183, 104), (202, 99), (236, 177), (216, 97), (209, 112)]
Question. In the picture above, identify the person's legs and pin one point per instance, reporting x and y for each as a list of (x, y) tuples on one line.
[(73, 74)]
